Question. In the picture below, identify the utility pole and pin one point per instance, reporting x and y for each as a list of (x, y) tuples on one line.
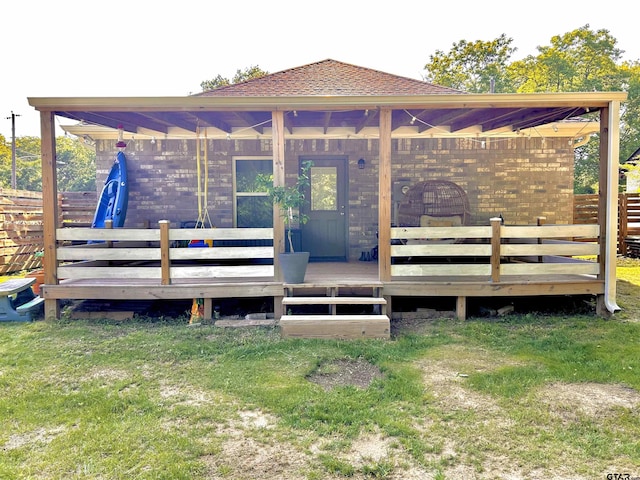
[(14, 182)]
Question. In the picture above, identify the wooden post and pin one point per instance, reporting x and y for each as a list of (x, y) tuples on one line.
[(384, 197), (277, 123), (623, 223), (50, 210), (165, 260), (108, 225), (540, 221), (461, 308), (208, 310), (495, 248), (278, 309)]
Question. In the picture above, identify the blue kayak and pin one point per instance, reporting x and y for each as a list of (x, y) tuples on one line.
[(115, 195)]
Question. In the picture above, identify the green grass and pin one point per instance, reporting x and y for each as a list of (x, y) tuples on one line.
[(159, 399)]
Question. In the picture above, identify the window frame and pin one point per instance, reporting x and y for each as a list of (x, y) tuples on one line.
[(237, 194)]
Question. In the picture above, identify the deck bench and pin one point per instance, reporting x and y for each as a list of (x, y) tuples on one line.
[(32, 306)]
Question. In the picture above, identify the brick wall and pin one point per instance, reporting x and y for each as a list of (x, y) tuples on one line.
[(520, 178)]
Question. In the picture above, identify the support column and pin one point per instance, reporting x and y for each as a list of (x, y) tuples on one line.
[(277, 124), (384, 198), (50, 209), (165, 259), (277, 120), (461, 308), (496, 241)]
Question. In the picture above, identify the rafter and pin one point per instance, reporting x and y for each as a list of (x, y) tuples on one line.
[(251, 121), (326, 121), (212, 120), (369, 117)]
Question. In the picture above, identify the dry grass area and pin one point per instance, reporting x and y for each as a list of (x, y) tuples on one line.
[(259, 452)]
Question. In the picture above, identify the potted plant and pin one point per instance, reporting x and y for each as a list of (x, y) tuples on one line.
[(290, 199)]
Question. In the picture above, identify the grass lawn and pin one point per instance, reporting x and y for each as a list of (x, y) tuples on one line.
[(526, 396)]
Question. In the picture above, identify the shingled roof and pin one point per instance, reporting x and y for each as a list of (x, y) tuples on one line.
[(329, 78)]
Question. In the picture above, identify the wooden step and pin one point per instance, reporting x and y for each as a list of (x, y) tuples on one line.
[(335, 326), (333, 301)]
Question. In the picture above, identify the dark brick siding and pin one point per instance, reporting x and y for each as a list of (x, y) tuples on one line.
[(520, 178)]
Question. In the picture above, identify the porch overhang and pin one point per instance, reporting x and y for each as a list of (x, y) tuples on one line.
[(413, 116), (381, 117)]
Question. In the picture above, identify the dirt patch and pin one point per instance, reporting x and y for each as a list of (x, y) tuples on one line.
[(595, 400), (345, 372), (42, 436), (244, 457), (185, 395), (445, 374)]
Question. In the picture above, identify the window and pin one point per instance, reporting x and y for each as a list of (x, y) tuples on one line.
[(324, 188), (252, 207)]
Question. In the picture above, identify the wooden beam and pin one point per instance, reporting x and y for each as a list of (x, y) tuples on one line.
[(461, 308), (49, 208), (368, 118), (326, 121), (165, 260), (211, 120), (251, 121), (278, 179), (384, 197), (496, 224), (603, 188)]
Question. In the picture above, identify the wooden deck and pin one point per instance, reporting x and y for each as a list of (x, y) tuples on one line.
[(491, 261), (354, 278)]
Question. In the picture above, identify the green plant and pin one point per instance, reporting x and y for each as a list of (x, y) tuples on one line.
[(289, 198)]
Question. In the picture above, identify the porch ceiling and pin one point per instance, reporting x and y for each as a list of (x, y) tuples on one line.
[(426, 115)]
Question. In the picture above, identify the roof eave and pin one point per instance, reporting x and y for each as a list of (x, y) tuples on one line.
[(193, 103)]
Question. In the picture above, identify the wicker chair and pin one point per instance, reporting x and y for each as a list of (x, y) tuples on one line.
[(434, 203)]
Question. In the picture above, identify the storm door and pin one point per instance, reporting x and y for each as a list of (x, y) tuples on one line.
[(325, 233)]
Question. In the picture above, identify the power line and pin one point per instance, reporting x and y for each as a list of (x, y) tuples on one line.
[(14, 181)]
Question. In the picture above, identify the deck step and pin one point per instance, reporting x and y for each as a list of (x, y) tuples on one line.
[(334, 301), (335, 326)]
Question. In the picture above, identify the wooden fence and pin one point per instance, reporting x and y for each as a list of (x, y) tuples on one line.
[(585, 211), (21, 233)]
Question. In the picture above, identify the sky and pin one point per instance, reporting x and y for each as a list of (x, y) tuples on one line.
[(76, 48)]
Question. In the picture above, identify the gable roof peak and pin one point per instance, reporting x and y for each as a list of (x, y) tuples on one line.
[(329, 77)]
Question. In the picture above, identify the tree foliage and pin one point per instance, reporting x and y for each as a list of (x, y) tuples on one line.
[(474, 67), (76, 164), (630, 111), (248, 73), (583, 60)]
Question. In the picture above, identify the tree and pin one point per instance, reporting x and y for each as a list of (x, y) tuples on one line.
[(581, 60), (630, 111), (5, 162), (248, 73), (28, 171), (75, 164), (472, 66)]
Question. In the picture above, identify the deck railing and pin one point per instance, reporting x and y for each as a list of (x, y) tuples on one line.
[(164, 253), (494, 251)]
